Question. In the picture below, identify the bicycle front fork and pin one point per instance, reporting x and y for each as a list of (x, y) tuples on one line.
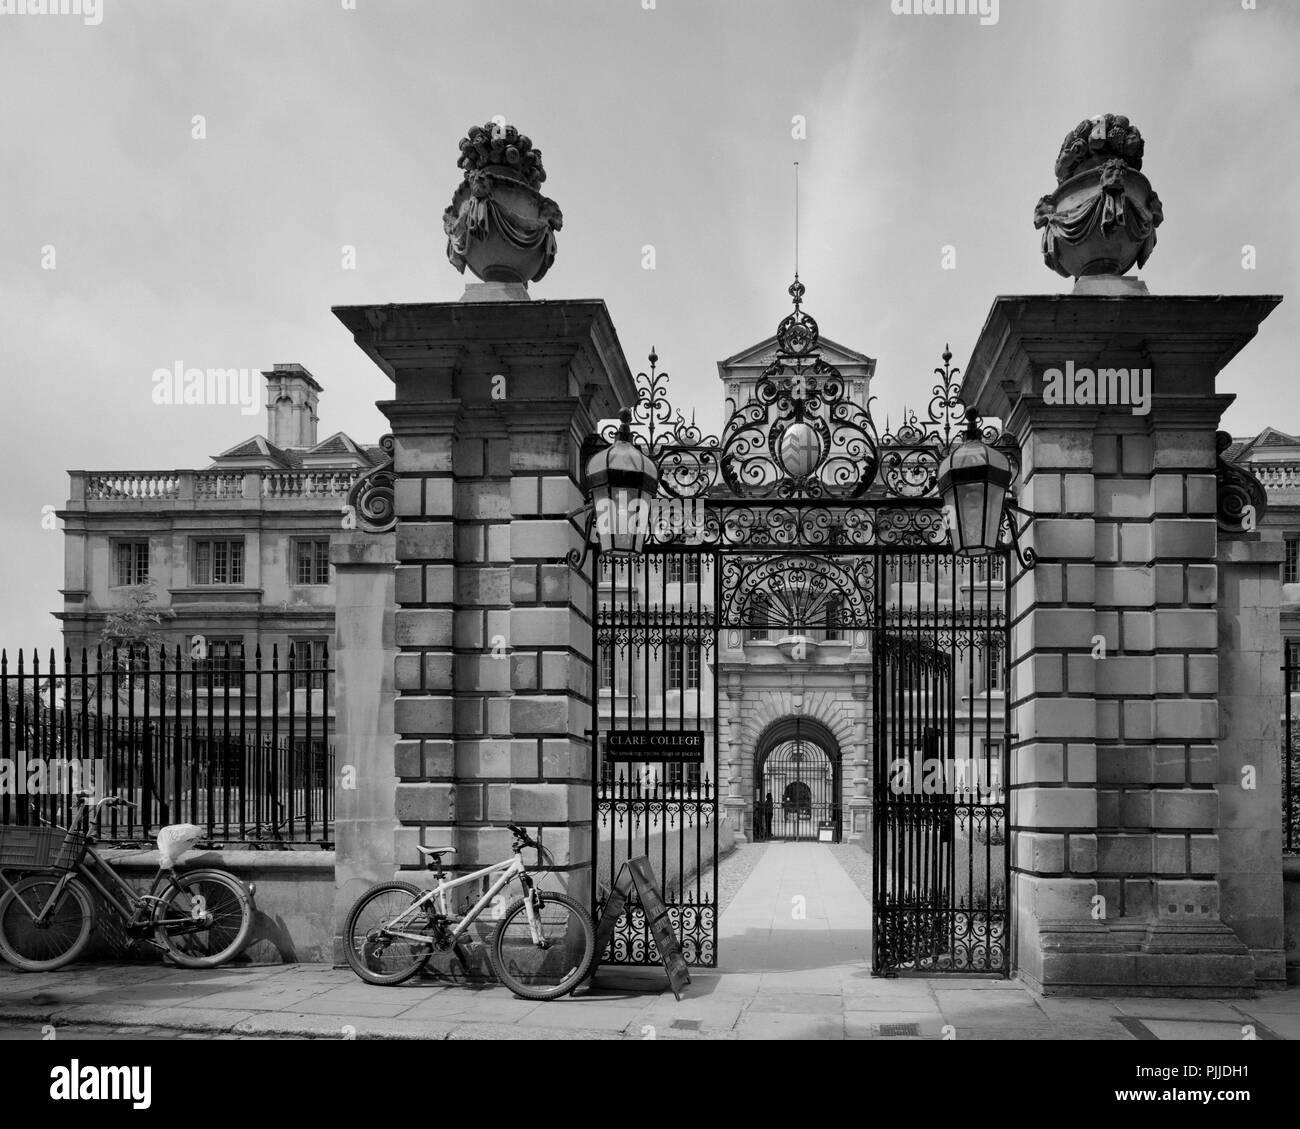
[(531, 911)]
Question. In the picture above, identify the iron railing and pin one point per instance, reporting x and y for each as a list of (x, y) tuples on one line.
[(239, 745)]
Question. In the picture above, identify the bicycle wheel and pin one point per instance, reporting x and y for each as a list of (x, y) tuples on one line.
[(59, 939), (556, 966), (203, 917), (372, 953)]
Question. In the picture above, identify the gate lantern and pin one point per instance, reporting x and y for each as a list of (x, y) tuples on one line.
[(973, 482), (622, 482)]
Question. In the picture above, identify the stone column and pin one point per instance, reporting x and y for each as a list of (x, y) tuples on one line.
[(1250, 772), (860, 802), (1114, 812), (364, 817), (493, 671), (737, 798)]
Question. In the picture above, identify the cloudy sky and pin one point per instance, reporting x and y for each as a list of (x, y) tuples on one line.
[(668, 126)]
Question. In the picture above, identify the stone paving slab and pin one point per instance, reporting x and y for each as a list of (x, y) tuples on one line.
[(794, 965)]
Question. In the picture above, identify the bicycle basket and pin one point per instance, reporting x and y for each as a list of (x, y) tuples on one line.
[(40, 848)]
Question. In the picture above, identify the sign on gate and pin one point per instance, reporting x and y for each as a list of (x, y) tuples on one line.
[(655, 744), (637, 873)]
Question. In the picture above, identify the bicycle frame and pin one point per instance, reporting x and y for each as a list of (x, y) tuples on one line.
[(509, 871), (128, 905)]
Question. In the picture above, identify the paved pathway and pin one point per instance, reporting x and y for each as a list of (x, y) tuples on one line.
[(794, 964)]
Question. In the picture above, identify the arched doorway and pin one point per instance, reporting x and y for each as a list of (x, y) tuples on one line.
[(797, 784)]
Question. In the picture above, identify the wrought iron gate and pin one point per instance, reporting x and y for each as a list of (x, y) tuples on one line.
[(941, 867), (655, 636), (802, 517)]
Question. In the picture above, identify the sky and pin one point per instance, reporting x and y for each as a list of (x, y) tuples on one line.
[(662, 123)]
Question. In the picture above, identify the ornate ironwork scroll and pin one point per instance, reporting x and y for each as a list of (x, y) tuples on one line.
[(800, 464), (797, 591), (373, 496)]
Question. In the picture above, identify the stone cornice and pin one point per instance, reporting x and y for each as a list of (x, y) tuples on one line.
[(477, 339), (1185, 340)]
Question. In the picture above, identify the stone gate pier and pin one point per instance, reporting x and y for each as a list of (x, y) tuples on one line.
[(1141, 862)]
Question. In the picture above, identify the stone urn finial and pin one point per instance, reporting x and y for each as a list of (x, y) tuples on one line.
[(499, 224), (1103, 216)]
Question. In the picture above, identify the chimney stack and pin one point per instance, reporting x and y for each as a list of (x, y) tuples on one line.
[(291, 396)]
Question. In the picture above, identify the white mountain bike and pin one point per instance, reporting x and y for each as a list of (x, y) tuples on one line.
[(542, 948)]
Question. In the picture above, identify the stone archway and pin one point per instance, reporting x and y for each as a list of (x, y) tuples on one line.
[(798, 782)]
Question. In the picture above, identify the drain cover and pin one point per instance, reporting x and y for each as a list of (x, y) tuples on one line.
[(896, 1029), (686, 1024)]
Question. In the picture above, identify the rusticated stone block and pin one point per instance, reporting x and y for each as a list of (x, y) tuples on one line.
[(1123, 764), (1136, 454), (1044, 492), (417, 454), (1081, 763), (1185, 808), (424, 540), (424, 715), (1168, 493), (1083, 854), (408, 497), (523, 672), (1121, 497), (1043, 854), (525, 496), (1190, 718), (1065, 538), (1123, 854), (540, 714), (1184, 537), (560, 495), (425, 803), (408, 585), (1171, 854), (1138, 631), (523, 584), (1056, 807), (1039, 763), (407, 669), (482, 501), (437, 671), (546, 540), (1135, 543), (1079, 495), (407, 758), (416, 627)]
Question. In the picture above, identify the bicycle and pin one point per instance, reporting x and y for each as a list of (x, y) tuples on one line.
[(542, 948), (198, 918)]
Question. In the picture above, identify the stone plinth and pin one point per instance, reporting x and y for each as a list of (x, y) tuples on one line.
[(493, 633), (1117, 799)]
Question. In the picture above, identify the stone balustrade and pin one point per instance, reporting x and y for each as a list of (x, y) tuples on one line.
[(1277, 478), (208, 486)]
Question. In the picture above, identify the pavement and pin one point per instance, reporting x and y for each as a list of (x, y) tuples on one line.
[(794, 953)]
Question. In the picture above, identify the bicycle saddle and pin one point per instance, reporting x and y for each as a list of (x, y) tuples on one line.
[(434, 852)]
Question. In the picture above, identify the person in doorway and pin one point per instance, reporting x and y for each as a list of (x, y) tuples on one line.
[(767, 816)]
